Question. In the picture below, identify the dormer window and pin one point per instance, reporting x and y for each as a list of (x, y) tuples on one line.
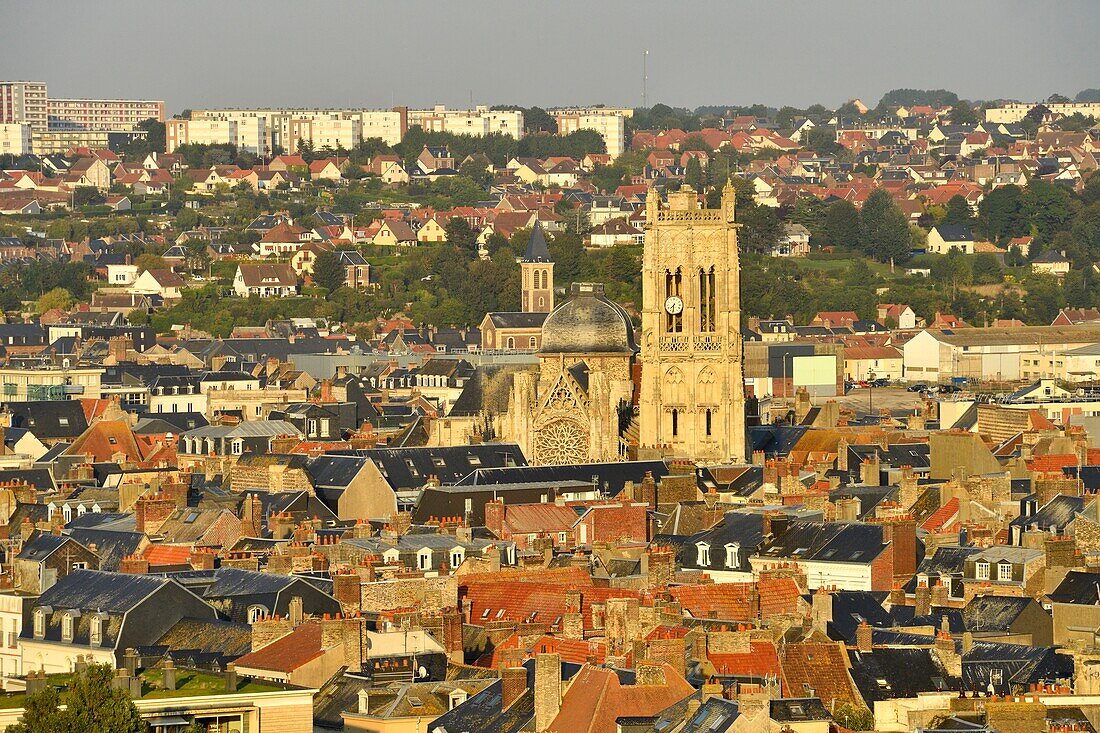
[(1004, 571), (733, 555), (95, 631), (67, 624), (457, 697), (39, 623), (981, 570), (424, 559), (458, 554), (702, 554), (255, 613)]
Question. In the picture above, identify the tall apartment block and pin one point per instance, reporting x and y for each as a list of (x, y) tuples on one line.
[(609, 123), (24, 103)]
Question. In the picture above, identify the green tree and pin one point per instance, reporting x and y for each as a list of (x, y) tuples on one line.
[(854, 717), (822, 140), (57, 298), (149, 261), (92, 706), (842, 224), (1001, 214), (87, 196), (693, 175), (884, 231), (1048, 207), (461, 235), (328, 272), (958, 212)]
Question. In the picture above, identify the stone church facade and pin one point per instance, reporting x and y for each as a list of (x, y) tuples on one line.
[(692, 401), (574, 407)]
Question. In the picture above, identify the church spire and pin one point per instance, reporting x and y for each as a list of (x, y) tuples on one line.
[(537, 250)]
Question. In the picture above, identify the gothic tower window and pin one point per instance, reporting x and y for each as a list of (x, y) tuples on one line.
[(709, 416), (707, 301), (675, 423)]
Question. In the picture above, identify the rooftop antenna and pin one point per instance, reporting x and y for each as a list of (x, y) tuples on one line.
[(645, 77)]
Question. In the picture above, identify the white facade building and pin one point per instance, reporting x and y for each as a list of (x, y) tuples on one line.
[(15, 138)]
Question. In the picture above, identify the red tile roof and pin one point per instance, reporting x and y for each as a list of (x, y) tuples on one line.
[(596, 698), (761, 660), (939, 518), (730, 601), (821, 667), (501, 600), (288, 653), (160, 555)]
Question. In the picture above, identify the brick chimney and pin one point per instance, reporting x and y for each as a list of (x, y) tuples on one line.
[(513, 685), (347, 589), (924, 599), (494, 517), (133, 565), (151, 511), (547, 689), (452, 637), (863, 636)]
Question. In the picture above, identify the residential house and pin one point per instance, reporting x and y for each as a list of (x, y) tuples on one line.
[(794, 242), (283, 240), (946, 237), (164, 283), (265, 281), (394, 233), (1051, 263), (898, 315), (616, 232)]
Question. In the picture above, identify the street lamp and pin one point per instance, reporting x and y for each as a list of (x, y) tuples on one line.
[(870, 392)]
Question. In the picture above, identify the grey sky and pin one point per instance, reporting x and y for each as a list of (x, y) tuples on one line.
[(196, 53)]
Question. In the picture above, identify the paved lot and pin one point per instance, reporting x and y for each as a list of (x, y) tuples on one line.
[(896, 399)]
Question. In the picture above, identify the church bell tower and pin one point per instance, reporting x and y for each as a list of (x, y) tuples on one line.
[(537, 273), (692, 402)]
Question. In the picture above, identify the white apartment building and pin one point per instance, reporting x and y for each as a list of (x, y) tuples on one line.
[(24, 102), (249, 135), (102, 114), (609, 123), (477, 122), (15, 138), (198, 132), (1016, 111), (321, 131), (388, 125)]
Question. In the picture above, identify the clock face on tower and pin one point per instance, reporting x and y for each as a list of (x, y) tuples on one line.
[(674, 305)]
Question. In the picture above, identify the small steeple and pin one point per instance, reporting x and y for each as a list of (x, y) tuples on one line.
[(537, 250)]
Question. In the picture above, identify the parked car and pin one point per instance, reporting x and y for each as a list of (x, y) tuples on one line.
[(918, 387)]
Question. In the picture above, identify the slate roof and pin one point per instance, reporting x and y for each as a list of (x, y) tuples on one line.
[(994, 613), (886, 673), (1079, 588), (827, 542), (100, 591), (49, 419), (537, 250), (110, 545), (850, 608), (610, 477), (1056, 514)]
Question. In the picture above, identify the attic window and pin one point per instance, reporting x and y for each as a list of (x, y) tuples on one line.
[(474, 460), (112, 441), (95, 633), (1004, 571), (702, 554), (485, 614), (438, 462), (981, 570), (64, 422), (39, 623)]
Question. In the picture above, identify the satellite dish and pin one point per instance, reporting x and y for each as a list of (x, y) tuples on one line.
[(422, 673)]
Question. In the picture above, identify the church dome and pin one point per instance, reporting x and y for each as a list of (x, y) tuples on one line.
[(588, 323)]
